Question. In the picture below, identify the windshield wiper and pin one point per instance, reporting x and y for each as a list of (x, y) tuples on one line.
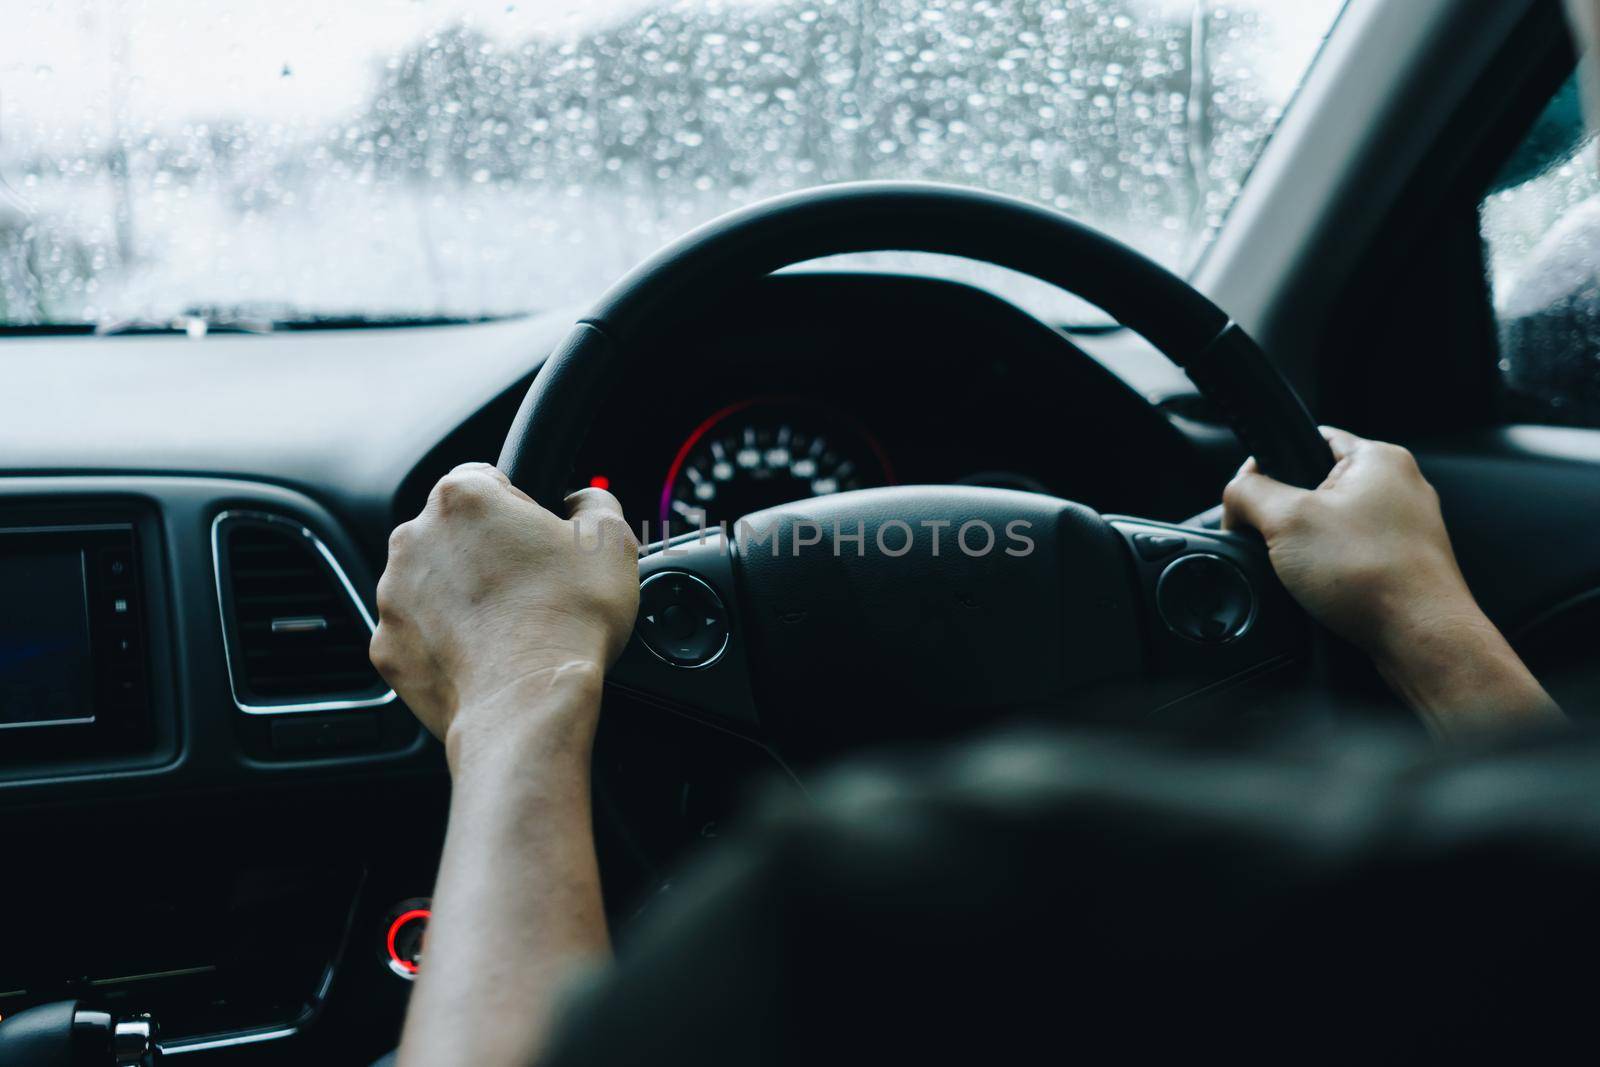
[(192, 324), (204, 322), (198, 321)]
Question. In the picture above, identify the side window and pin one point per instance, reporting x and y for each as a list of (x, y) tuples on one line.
[(1541, 229)]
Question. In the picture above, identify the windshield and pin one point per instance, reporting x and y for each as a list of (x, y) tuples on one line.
[(374, 159)]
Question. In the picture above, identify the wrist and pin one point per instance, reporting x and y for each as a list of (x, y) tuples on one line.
[(546, 716), (1458, 672), (1420, 633)]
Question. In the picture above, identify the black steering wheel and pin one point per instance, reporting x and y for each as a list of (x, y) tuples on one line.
[(839, 619)]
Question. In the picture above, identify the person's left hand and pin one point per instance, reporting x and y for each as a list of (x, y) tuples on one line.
[(491, 604)]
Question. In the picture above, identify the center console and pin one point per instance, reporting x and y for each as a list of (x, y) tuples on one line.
[(210, 808)]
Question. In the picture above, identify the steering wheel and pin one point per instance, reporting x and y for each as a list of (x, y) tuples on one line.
[(868, 614)]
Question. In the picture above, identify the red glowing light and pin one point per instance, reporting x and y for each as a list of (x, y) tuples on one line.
[(401, 920), (599, 481)]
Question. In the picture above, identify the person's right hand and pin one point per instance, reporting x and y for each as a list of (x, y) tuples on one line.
[(1366, 554)]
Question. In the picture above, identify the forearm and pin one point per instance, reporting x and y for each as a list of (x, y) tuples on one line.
[(1462, 677), (517, 909)]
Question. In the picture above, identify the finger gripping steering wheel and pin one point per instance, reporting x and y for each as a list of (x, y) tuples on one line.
[(1098, 598)]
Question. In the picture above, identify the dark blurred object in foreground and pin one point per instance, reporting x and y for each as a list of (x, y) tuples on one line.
[(1371, 899)]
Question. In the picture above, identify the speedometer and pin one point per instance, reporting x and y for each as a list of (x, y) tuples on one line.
[(760, 453)]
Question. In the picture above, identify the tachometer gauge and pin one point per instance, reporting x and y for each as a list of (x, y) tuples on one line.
[(760, 453)]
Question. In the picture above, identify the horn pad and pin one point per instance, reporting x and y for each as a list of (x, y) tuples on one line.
[(883, 609)]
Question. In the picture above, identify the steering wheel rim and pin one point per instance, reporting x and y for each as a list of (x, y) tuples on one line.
[(684, 280)]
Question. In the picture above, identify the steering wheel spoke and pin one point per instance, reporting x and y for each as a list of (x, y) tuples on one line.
[(688, 648), (1214, 611)]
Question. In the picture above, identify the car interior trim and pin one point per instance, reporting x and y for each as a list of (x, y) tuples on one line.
[(1362, 121), (299, 707)]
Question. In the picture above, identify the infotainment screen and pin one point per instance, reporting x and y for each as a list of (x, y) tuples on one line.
[(46, 665)]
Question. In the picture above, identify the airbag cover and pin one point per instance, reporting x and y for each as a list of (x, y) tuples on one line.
[(875, 610)]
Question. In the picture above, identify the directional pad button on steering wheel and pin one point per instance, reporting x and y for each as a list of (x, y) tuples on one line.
[(681, 619)]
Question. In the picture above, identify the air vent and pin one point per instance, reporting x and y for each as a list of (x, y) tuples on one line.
[(295, 631)]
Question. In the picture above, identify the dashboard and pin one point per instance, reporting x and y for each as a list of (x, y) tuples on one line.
[(810, 384), (190, 534)]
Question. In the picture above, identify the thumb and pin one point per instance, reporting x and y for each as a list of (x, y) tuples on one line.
[(597, 519), (588, 506), (1253, 499)]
